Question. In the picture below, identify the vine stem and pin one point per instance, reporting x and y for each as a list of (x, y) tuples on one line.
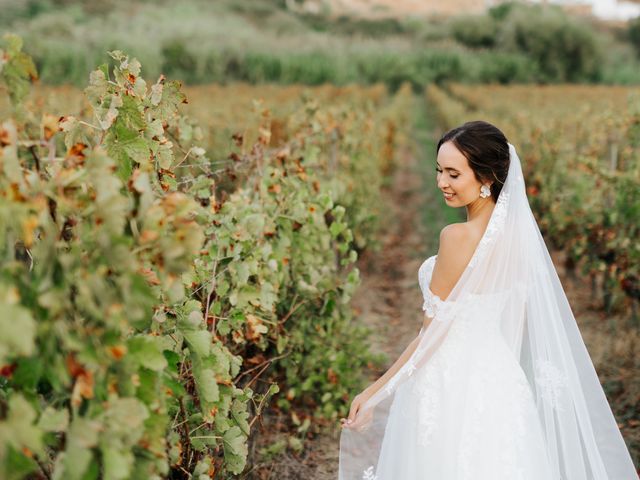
[(90, 125), (213, 286), (186, 155), (292, 310), (208, 437), (35, 156), (43, 469), (265, 363), (185, 427), (258, 409)]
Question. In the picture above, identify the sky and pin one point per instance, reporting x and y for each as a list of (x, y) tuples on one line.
[(613, 10), (608, 9)]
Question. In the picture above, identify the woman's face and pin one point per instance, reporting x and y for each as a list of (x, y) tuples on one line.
[(455, 177)]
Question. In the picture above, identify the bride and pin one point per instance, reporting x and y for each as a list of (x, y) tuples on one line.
[(498, 384)]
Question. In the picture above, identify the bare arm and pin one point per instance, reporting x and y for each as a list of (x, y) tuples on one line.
[(449, 265), (397, 365)]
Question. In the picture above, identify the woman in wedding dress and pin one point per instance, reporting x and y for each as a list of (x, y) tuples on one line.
[(498, 384)]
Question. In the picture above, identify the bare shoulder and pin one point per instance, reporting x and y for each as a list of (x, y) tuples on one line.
[(457, 242), (456, 245), (454, 233)]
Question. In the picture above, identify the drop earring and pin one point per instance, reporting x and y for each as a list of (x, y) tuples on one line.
[(484, 191)]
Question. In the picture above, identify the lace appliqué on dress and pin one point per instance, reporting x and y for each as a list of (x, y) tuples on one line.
[(367, 474), (512, 433), (435, 376), (432, 304), (550, 381), (409, 367), (496, 223)]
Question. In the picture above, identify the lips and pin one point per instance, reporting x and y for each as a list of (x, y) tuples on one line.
[(448, 196)]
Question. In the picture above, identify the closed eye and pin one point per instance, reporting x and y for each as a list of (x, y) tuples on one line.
[(452, 176)]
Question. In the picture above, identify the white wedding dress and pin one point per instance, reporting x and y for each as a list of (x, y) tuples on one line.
[(469, 413), (500, 385)]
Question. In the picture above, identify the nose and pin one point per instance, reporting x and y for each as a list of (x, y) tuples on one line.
[(441, 183)]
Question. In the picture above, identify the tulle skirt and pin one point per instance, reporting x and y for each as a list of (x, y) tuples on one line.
[(469, 413)]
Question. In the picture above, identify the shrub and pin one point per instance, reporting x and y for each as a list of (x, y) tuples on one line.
[(475, 30), (564, 49)]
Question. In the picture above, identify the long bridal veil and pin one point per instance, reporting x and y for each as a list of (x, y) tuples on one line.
[(511, 277)]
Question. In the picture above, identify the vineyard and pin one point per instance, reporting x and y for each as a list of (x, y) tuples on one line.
[(156, 296), (180, 262)]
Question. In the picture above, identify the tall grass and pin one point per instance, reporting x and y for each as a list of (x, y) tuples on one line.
[(260, 41)]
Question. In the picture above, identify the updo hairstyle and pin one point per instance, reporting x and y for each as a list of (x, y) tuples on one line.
[(486, 149)]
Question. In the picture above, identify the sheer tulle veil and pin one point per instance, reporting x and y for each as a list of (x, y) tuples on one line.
[(511, 276)]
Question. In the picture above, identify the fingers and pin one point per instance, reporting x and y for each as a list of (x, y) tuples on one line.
[(354, 411), (355, 417), (359, 420), (345, 422)]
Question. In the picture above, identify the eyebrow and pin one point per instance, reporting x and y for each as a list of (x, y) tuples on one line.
[(448, 168)]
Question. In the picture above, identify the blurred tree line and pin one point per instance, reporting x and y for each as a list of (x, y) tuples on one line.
[(261, 41)]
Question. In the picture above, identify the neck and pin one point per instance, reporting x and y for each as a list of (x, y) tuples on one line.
[(479, 208)]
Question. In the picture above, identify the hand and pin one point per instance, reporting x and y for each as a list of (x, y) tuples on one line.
[(354, 420)]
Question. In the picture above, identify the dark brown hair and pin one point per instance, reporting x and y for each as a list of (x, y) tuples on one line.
[(486, 149)]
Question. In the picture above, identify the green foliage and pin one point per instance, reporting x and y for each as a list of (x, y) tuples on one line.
[(502, 11), (475, 30), (344, 25), (178, 61), (16, 69), (502, 67), (97, 225), (141, 303), (633, 32), (263, 41), (564, 49), (545, 44)]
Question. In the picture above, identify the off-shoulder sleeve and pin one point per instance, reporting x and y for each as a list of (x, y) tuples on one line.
[(432, 303)]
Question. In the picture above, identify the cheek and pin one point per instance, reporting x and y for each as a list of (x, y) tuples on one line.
[(465, 188)]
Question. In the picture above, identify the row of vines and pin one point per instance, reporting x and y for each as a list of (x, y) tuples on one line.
[(162, 286), (580, 150)]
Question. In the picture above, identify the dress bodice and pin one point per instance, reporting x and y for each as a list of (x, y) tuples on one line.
[(431, 301)]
